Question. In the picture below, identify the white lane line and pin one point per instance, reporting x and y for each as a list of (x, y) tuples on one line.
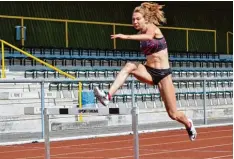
[(117, 141), (111, 135), (128, 147), (180, 150), (174, 142), (220, 157), (212, 151)]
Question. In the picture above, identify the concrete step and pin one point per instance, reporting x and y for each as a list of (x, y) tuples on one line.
[(29, 123)]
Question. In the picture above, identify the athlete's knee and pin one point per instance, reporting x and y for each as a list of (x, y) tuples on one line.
[(130, 67), (174, 115)]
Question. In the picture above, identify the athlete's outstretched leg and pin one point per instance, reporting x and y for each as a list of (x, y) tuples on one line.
[(167, 92), (138, 70)]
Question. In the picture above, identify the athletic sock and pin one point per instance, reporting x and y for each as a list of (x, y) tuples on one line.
[(109, 96), (190, 125)]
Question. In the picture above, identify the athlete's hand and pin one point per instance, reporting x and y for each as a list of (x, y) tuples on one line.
[(120, 36)]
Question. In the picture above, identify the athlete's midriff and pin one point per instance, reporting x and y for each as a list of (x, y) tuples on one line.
[(158, 60)]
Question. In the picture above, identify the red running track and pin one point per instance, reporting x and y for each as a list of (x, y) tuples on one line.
[(212, 143)]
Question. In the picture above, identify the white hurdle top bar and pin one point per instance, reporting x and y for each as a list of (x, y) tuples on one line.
[(77, 111)]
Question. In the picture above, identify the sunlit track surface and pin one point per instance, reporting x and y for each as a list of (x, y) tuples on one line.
[(212, 143)]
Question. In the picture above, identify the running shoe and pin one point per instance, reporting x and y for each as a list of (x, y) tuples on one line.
[(101, 96), (192, 131)]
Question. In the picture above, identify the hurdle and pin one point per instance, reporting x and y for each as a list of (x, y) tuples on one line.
[(101, 111)]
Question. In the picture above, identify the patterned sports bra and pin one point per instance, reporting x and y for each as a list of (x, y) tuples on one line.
[(151, 46)]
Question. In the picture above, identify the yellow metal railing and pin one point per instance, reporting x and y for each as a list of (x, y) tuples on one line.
[(228, 41), (3, 75), (114, 25), (193, 29)]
